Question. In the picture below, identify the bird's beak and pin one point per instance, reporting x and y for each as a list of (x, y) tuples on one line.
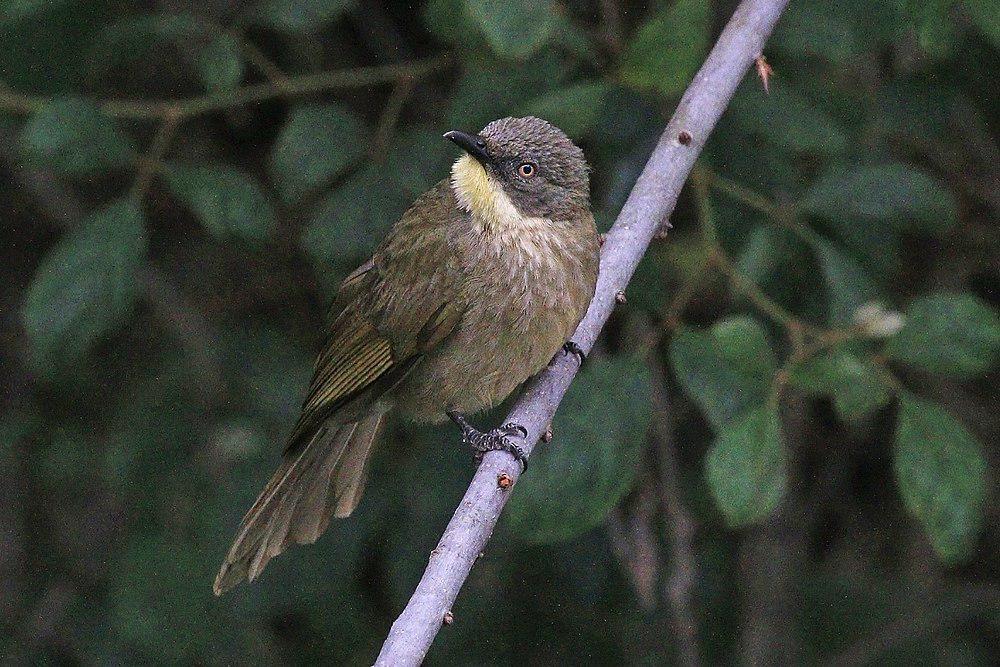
[(472, 144)]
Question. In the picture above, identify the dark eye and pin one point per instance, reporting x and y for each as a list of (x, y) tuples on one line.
[(526, 170)]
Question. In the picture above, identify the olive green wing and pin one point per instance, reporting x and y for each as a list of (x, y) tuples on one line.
[(387, 314), (359, 362)]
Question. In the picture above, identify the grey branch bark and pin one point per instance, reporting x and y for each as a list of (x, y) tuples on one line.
[(651, 202)]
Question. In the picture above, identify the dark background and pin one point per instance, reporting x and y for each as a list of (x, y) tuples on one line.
[(166, 268)]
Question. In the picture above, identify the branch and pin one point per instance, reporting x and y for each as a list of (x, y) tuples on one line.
[(157, 150), (651, 202), (679, 589), (194, 106)]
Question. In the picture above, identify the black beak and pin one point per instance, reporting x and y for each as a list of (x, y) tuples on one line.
[(472, 144)]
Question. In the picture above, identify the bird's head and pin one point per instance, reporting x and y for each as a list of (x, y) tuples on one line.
[(518, 168)]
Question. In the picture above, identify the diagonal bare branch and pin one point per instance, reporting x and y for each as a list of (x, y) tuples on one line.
[(651, 202)]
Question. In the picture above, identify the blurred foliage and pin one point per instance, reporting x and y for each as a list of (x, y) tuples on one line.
[(579, 479), (668, 48), (86, 285), (185, 183), (745, 466)]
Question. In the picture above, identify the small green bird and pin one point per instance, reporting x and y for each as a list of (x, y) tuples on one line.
[(475, 289)]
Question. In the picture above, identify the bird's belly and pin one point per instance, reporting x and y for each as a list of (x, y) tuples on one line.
[(473, 370)]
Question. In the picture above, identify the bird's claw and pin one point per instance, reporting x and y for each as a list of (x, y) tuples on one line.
[(570, 347), (495, 440), (511, 428)]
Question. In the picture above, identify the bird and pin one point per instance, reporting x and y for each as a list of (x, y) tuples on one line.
[(476, 288)]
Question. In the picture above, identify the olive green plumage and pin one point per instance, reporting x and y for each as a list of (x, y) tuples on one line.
[(475, 289)]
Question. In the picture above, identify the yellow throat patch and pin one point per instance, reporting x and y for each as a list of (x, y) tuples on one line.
[(494, 215), (483, 197)]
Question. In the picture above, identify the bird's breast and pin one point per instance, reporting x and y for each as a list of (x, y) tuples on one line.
[(525, 293)]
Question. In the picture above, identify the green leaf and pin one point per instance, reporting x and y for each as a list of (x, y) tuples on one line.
[(574, 41), (145, 614), (273, 370), (489, 91), (895, 192), (950, 334), (762, 254), (916, 108), (317, 143), (220, 63), (14, 11), (73, 136), (217, 58), (876, 246), (848, 286), (15, 425), (516, 29), (575, 108), (298, 16), (349, 221), (170, 26), (226, 201), (746, 466), (811, 30), (668, 49), (986, 15), (132, 38), (941, 473), (854, 383), (86, 285), (575, 480), (787, 119), (931, 23), (744, 346), (448, 21), (64, 460), (717, 372), (419, 158)]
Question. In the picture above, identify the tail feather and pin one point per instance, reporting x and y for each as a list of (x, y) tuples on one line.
[(349, 479), (308, 523), (323, 479)]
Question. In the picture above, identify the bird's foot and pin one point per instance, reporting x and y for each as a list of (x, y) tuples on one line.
[(496, 440), (570, 347)]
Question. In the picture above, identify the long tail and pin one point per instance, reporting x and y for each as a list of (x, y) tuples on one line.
[(322, 480)]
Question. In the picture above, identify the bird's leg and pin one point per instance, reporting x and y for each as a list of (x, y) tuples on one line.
[(495, 440), (570, 347)]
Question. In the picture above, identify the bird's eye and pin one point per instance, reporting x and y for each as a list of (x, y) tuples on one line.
[(526, 170)]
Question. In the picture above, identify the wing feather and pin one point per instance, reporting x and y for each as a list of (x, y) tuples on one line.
[(387, 313)]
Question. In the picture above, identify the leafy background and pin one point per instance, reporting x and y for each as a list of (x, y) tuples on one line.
[(780, 452)]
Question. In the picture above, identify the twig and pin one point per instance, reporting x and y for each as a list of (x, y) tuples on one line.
[(720, 259), (611, 13), (390, 117), (188, 325), (679, 526), (651, 201), (633, 542), (741, 193), (264, 65), (686, 292), (157, 149), (185, 108)]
